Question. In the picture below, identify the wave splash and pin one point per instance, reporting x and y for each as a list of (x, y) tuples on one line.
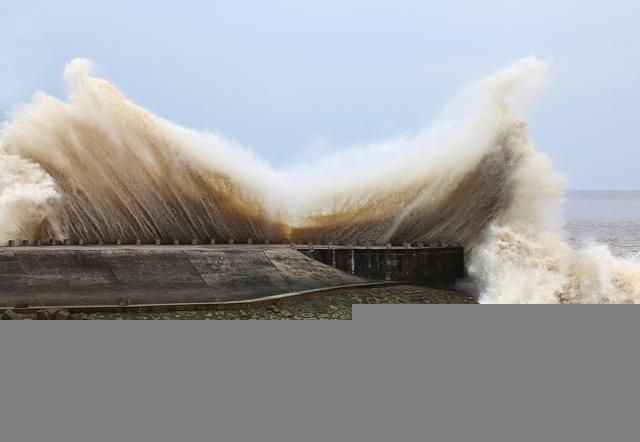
[(96, 166)]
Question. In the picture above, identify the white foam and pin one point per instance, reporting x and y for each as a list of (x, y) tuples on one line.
[(99, 167)]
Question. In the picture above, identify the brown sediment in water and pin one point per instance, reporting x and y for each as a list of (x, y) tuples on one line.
[(98, 167), (122, 173)]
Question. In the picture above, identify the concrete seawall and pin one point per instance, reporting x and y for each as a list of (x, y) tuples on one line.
[(82, 275), (438, 267), (145, 274)]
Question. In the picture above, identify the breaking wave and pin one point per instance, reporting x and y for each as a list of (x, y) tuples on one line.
[(98, 167)]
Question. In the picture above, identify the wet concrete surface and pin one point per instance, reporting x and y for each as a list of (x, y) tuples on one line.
[(111, 275)]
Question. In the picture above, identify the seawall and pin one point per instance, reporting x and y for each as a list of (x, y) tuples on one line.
[(108, 275), (154, 274), (434, 266)]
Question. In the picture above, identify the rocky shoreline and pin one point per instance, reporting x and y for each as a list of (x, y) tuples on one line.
[(335, 305)]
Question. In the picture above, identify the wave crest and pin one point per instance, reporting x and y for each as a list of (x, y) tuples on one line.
[(100, 167)]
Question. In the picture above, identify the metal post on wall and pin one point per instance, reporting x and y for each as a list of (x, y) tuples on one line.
[(353, 261)]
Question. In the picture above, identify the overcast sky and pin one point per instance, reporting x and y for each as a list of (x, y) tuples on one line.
[(284, 77)]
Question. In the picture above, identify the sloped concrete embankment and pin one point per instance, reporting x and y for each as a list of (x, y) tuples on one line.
[(121, 275)]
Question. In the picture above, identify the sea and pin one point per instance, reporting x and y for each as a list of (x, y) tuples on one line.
[(606, 217)]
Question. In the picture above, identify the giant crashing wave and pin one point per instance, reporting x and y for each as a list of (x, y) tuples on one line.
[(98, 167)]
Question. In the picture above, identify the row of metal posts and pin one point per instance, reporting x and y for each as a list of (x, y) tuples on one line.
[(118, 242), (53, 242)]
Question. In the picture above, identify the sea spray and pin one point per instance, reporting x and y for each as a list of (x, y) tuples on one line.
[(28, 199), (124, 173), (98, 167)]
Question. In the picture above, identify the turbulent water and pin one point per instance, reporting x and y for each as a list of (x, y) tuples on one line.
[(607, 217), (99, 167)]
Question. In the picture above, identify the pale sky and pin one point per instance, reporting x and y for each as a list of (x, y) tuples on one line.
[(284, 77)]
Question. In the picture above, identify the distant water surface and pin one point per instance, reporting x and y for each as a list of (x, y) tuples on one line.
[(608, 217)]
